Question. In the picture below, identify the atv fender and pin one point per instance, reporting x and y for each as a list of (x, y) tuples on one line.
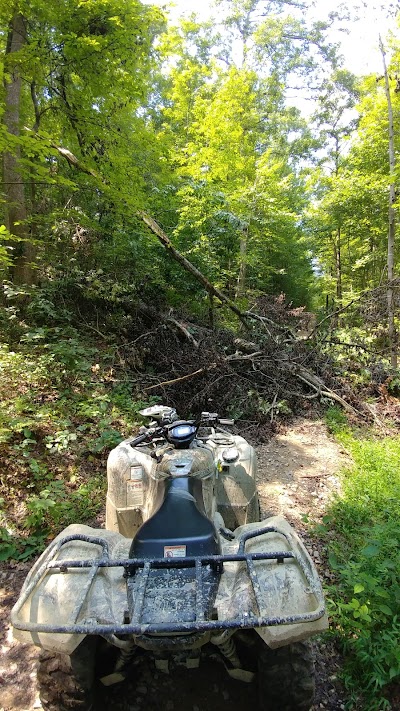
[(283, 587), (64, 598)]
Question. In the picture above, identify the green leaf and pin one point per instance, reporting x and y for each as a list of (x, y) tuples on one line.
[(370, 551), (7, 550), (358, 588)]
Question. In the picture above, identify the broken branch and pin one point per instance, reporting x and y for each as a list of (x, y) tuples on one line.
[(183, 377), (183, 330)]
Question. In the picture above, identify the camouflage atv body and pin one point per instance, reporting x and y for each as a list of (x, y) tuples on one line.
[(184, 562)]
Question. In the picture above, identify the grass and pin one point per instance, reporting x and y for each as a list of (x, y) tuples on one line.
[(362, 532)]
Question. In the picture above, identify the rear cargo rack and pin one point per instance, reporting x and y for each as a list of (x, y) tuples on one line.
[(131, 566)]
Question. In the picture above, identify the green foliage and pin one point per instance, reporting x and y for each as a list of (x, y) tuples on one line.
[(61, 414), (52, 509), (14, 547), (336, 420), (348, 216), (362, 532), (5, 256), (236, 147), (57, 506), (196, 125)]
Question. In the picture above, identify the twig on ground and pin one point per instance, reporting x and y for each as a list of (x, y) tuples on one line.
[(248, 356), (142, 335)]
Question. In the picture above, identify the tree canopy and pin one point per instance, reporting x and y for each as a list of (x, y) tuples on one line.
[(109, 110)]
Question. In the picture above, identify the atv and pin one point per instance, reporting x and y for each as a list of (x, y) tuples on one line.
[(184, 566)]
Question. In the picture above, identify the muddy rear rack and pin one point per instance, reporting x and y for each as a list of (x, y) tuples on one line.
[(144, 567)]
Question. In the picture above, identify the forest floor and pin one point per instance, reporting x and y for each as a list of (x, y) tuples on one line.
[(298, 472)]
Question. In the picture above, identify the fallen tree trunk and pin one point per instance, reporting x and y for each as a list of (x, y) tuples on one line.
[(166, 242)]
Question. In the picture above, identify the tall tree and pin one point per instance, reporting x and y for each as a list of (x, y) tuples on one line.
[(13, 183), (334, 121), (392, 213), (230, 127)]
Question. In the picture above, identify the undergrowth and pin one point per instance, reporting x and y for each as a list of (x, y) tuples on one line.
[(63, 409), (362, 531)]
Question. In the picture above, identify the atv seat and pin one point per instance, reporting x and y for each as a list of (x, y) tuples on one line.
[(180, 527)]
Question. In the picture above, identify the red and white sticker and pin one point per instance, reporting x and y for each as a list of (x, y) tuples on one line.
[(174, 551)]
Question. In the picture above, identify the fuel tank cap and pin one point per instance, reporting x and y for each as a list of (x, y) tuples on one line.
[(230, 455)]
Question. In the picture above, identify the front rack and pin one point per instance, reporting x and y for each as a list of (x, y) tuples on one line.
[(145, 566)]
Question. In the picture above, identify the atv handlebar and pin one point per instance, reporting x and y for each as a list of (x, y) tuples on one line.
[(148, 436), (206, 418), (209, 418)]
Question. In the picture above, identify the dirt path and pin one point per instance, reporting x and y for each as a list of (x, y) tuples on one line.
[(298, 471), (297, 474)]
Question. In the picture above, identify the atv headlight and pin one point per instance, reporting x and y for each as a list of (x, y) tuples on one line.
[(230, 455)]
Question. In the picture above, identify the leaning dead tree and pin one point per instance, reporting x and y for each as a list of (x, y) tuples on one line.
[(188, 266), (159, 233)]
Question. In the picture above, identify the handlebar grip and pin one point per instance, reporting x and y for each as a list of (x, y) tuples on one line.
[(226, 422), (138, 440)]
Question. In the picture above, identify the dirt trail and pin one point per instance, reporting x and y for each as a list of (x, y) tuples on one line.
[(297, 474), (298, 471)]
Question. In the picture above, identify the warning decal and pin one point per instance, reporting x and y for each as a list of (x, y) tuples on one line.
[(134, 493), (174, 551)]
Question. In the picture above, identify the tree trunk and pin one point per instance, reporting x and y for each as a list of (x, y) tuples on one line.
[(337, 271), (13, 186), (392, 218), (241, 280), (338, 259)]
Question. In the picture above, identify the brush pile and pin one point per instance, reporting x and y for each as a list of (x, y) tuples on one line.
[(274, 366)]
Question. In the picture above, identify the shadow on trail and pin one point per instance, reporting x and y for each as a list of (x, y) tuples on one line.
[(208, 688)]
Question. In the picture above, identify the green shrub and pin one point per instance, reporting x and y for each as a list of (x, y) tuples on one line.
[(61, 413), (363, 534), (336, 420), (58, 506)]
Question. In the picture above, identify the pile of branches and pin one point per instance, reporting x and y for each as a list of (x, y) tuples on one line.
[(271, 367)]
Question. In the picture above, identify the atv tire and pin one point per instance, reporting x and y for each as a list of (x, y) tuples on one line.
[(286, 678), (66, 682)]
